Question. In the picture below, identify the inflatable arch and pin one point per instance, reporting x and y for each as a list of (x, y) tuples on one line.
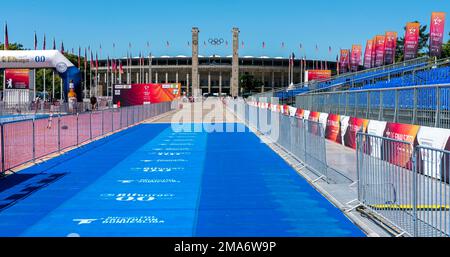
[(36, 59)]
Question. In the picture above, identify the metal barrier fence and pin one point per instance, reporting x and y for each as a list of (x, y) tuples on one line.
[(302, 138), (427, 105), (28, 140), (408, 186)]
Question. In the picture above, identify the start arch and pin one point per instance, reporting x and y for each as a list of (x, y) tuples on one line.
[(37, 59)]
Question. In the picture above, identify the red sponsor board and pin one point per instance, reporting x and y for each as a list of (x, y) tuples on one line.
[(436, 33), (374, 40), (379, 50), (314, 116), (17, 78), (344, 60), (355, 58), (286, 109), (333, 129), (446, 160), (318, 74), (138, 94), (354, 125), (389, 47), (399, 153), (411, 40), (368, 54), (300, 113)]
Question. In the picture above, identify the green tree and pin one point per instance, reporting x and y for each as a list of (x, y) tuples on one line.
[(446, 49), (249, 83), (423, 48)]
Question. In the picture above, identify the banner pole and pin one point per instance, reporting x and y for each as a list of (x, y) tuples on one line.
[(44, 87)]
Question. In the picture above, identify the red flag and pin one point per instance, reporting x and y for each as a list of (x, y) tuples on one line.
[(91, 60), (263, 44), (85, 59), (120, 67), (107, 64), (35, 41), (43, 44), (6, 45)]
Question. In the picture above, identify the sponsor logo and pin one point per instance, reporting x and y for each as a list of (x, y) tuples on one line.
[(149, 181), (137, 197), (61, 67), (122, 220)]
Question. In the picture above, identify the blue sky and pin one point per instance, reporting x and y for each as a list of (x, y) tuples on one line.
[(338, 24)]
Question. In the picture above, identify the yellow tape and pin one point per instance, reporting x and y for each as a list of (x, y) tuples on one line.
[(410, 206)]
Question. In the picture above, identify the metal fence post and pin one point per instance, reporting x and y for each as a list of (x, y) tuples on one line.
[(78, 131), (438, 109), (3, 147), (414, 106), (59, 132), (90, 125), (112, 120), (414, 189), (396, 106), (103, 122), (34, 140)]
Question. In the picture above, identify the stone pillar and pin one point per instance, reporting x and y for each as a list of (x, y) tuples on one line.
[(187, 83), (176, 77), (195, 75), (273, 80), (235, 64), (220, 83), (156, 77), (167, 77), (209, 82)]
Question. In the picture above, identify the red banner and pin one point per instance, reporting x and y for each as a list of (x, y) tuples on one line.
[(389, 47), (372, 59), (368, 54), (17, 78), (318, 74), (355, 58), (354, 125), (333, 129), (411, 40), (436, 33), (399, 153), (379, 50), (344, 60), (138, 94), (299, 113)]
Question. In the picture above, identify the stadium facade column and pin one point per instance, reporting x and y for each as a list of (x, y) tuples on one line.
[(262, 79), (220, 83), (195, 75), (167, 77), (209, 82), (156, 77), (176, 77), (187, 83), (273, 80), (235, 64)]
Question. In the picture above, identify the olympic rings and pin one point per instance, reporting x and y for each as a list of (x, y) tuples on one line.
[(215, 41)]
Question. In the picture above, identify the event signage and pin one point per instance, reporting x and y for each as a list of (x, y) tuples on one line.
[(344, 60), (354, 126), (376, 128), (333, 130), (396, 152), (318, 75), (430, 161), (17, 78), (389, 47), (138, 94), (411, 40), (355, 58), (379, 50), (368, 54), (436, 33)]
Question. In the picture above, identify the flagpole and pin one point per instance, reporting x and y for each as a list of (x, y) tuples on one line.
[(44, 85)]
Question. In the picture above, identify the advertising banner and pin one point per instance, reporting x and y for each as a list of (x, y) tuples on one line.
[(318, 75), (355, 58), (344, 60), (411, 40), (17, 78), (285, 109), (138, 94), (314, 116), (299, 113), (368, 54), (430, 161), (306, 114), (323, 117), (389, 47), (354, 125), (376, 128), (333, 129), (292, 111), (399, 153), (379, 50), (436, 33), (344, 126), (372, 59)]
